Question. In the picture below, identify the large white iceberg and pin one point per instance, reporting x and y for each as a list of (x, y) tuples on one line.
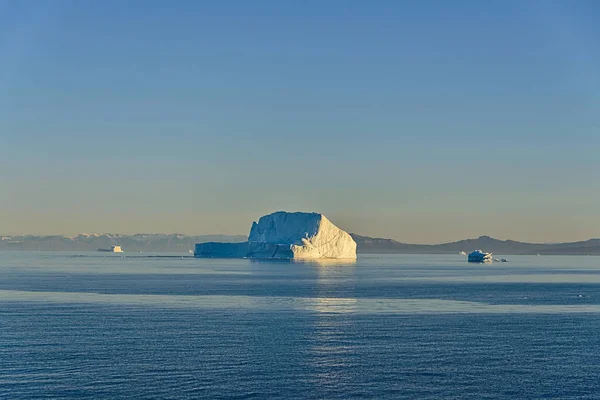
[(287, 235)]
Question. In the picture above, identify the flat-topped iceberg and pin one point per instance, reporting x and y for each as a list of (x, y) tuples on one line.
[(479, 256), (303, 236)]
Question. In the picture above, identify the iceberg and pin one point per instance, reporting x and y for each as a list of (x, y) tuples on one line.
[(285, 235), (479, 256)]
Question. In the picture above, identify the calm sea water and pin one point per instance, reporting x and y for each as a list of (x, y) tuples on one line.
[(428, 327)]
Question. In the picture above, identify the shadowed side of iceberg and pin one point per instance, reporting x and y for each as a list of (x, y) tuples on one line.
[(269, 250), (221, 250), (479, 256)]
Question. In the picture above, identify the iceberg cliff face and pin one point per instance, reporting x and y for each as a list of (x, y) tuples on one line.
[(287, 235), (285, 228)]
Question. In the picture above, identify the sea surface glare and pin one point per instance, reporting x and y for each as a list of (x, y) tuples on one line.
[(90, 326)]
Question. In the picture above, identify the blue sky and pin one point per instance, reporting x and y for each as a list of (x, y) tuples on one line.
[(421, 121)]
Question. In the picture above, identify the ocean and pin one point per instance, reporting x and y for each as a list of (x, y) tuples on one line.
[(145, 326)]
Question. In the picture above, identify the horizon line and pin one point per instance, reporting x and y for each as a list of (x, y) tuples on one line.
[(2, 237)]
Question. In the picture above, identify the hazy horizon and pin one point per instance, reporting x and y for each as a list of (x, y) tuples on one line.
[(424, 122), (131, 233)]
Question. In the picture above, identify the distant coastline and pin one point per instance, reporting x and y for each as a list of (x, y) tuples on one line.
[(371, 245), (141, 242), (365, 245)]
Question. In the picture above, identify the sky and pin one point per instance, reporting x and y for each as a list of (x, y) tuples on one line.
[(423, 121)]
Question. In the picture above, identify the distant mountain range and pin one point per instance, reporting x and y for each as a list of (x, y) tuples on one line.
[(365, 245), (130, 243)]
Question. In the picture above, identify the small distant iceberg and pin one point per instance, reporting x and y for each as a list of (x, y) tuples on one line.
[(479, 256), (113, 249)]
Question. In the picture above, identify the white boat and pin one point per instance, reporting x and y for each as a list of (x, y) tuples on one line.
[(479, 256), (462, 253)]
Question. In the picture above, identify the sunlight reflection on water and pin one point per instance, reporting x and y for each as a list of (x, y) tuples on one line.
[(315, 304)]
